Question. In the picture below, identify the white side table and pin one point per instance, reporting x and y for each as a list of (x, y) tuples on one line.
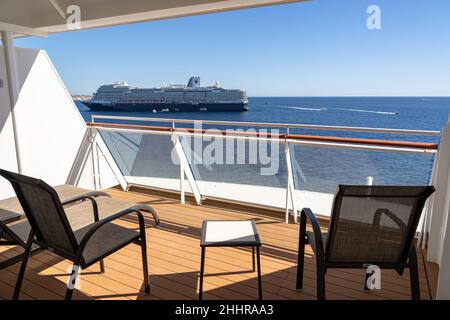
[(226, 233)]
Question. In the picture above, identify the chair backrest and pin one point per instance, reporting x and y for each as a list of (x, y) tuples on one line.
[(44, 212), (374, 224)]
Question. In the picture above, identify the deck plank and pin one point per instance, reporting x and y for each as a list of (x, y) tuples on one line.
[(174, 260)]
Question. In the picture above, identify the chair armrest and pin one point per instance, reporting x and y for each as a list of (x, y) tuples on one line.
[(88, 195), (97, 225), (82, 198), (307, 213), (11, 218), (145, 207)]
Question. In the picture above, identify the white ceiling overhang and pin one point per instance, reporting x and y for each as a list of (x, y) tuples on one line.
[(43, 17)]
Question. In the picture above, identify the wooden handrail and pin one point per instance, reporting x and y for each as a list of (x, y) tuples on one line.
[(377, 142), (129, 126), (194, 131)]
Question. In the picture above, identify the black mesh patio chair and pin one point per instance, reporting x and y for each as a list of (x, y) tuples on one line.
[(14, 228), (370, 225), (51, 230)]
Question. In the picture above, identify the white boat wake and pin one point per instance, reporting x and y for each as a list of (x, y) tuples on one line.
[(302, 108), (367, 111), (340, 109)]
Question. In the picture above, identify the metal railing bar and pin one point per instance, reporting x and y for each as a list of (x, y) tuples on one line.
[(297, 142), (418, 147), (275, 125), (154, 132), (361, 147), (184, 133), (378, 142)]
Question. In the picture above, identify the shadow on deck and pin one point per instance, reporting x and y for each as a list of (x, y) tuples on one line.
[(174, 262)]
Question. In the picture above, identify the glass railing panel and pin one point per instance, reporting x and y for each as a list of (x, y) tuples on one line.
[(144, 159), (238, 170), (124, 148), (317, 171), (253, 169)]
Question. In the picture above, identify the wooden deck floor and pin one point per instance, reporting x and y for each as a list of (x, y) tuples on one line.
[(174, 261)]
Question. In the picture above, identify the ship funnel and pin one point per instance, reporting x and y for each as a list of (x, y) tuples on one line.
[(194, 82)]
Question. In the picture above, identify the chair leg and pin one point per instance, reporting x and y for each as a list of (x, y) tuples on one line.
[(72, 281), (414, 273), (23, 266), (301, 251), (320, 277), (145, 266), (143, 243), (253, 258), (258, 257), (102, 266), (202, 271), (69, 293)]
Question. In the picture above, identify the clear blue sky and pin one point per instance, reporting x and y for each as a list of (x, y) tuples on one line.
[(317, 48)]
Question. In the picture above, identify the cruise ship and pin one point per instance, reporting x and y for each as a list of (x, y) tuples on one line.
[(191, 97)]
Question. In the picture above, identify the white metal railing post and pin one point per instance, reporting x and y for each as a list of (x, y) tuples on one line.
[(182, 169), (424, 223), (95, 164), (182, 193), (290, 188), (293, 191), (185, 170)]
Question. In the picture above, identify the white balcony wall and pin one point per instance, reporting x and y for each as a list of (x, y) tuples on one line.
[(53, 137), (438, 227)]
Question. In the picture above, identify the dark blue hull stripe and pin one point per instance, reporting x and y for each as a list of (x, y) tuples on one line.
[(149, 107)]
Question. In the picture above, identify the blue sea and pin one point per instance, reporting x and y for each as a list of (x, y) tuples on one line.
[(316, 169)]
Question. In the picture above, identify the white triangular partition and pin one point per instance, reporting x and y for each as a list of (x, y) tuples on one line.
[(53, 137)]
